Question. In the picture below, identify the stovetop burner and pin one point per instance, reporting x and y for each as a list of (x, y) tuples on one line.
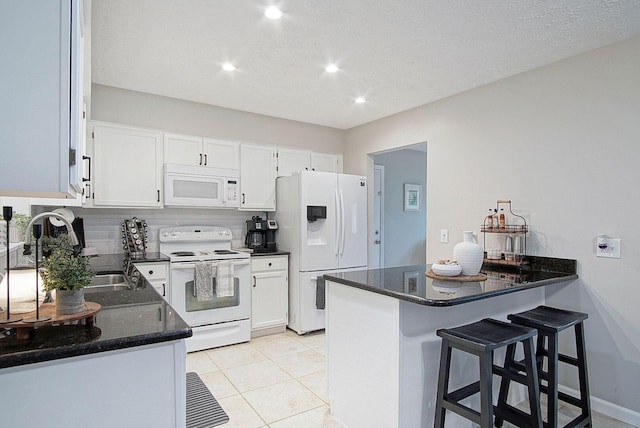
[(183, 253)]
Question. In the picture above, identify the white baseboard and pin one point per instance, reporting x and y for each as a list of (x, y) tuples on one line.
[(606, 408)]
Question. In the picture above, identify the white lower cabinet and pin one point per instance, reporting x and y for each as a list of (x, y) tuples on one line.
[(157, 275), (269, 294)]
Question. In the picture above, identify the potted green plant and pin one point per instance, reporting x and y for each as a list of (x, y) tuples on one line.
[(65, 273)]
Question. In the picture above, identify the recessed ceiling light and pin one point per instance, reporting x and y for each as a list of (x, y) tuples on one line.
[(360, 100), (331, 68), (228, 66), (272, 12)]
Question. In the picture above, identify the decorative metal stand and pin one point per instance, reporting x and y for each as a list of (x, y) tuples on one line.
[(7, 213), (37, 233), (510, 229)]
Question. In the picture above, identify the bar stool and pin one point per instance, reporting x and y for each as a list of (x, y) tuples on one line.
[(549, 322), (482, 338)]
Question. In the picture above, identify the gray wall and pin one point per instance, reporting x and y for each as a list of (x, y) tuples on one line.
[(404, 231), (562, 142), (126, 107)]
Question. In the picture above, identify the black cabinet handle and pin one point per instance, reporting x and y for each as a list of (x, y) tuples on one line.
[(159, 314), (89, 159), (205, 159), (254, 280), (158, 195), (164, 290), (150, 272), (269, 263), (200, 159), (243, 198)]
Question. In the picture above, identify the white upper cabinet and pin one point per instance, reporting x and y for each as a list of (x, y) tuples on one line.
[(40, 113), (220, 153), (257, 178), (292, 160), (325, 162), (295, 160), (198, 151), (127, 167), (182, 149)]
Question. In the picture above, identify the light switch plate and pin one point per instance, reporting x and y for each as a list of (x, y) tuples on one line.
[(612, 251), (444, 236)]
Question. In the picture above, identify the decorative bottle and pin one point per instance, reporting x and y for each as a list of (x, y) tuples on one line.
[(469, 254), (496, 220), (489, 222), (503, 223)]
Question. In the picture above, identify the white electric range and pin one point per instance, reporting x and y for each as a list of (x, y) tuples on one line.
[(222, 320)]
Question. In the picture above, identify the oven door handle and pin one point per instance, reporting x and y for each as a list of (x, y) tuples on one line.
[(191, 265)]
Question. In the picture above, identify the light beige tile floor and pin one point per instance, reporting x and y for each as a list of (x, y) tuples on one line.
[(279, 381), (273, 381)]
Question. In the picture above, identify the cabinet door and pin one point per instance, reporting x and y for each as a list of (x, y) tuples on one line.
[(324, 162), (39, 126), (269, 299), (292, 160), (257, 178), (128, 167), (182, 149), (220, 154)]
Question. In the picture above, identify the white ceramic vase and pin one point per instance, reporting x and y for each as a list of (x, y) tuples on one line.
[(469, 254)]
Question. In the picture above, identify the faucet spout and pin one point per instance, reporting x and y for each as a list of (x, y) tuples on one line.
[(70, 232)]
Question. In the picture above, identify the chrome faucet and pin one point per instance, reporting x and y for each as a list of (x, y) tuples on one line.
[(70, 232)]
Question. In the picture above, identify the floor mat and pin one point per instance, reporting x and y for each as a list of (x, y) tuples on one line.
[(203, 411)]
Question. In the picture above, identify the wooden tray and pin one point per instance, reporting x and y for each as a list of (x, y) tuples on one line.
[(23, 329), (459, 278)]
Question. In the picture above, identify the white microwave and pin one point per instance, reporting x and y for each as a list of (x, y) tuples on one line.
[(199, 186)]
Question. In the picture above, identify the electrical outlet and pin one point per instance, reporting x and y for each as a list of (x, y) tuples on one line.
[(444, 236), (612, 249)]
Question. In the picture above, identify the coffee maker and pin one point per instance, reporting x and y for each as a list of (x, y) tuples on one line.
[(261, 235)]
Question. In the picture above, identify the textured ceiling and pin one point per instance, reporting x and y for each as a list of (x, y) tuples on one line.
[(398, 54)]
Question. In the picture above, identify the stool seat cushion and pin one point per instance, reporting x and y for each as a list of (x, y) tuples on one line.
[(548, 318), (487, 334)]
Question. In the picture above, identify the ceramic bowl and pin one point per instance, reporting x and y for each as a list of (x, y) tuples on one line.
[(446, 270)]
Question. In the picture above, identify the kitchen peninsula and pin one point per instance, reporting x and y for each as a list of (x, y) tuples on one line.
[(128, 369), (382, 348)]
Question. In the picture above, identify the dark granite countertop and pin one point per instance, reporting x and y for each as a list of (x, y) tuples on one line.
[(106, 263), (411, 284), (128, 318)]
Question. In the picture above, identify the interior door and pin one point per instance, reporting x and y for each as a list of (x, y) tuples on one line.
[(352, 190), (319, 240)]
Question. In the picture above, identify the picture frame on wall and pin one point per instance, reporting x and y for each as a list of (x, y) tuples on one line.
[(412, 197)]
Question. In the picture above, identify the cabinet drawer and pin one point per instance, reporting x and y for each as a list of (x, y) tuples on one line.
[(263, 263), (153, 271)]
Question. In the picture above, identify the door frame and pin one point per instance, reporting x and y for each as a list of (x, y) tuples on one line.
[(378, 211)]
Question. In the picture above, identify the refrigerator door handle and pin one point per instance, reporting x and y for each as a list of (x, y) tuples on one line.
[(342, 222), (338, 221)]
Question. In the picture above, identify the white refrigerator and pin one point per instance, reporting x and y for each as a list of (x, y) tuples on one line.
[(322, 222)]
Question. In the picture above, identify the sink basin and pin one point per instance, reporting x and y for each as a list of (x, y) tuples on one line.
[(108, 282)]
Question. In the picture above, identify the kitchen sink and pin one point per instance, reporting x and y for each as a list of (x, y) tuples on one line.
[(108, 282)]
